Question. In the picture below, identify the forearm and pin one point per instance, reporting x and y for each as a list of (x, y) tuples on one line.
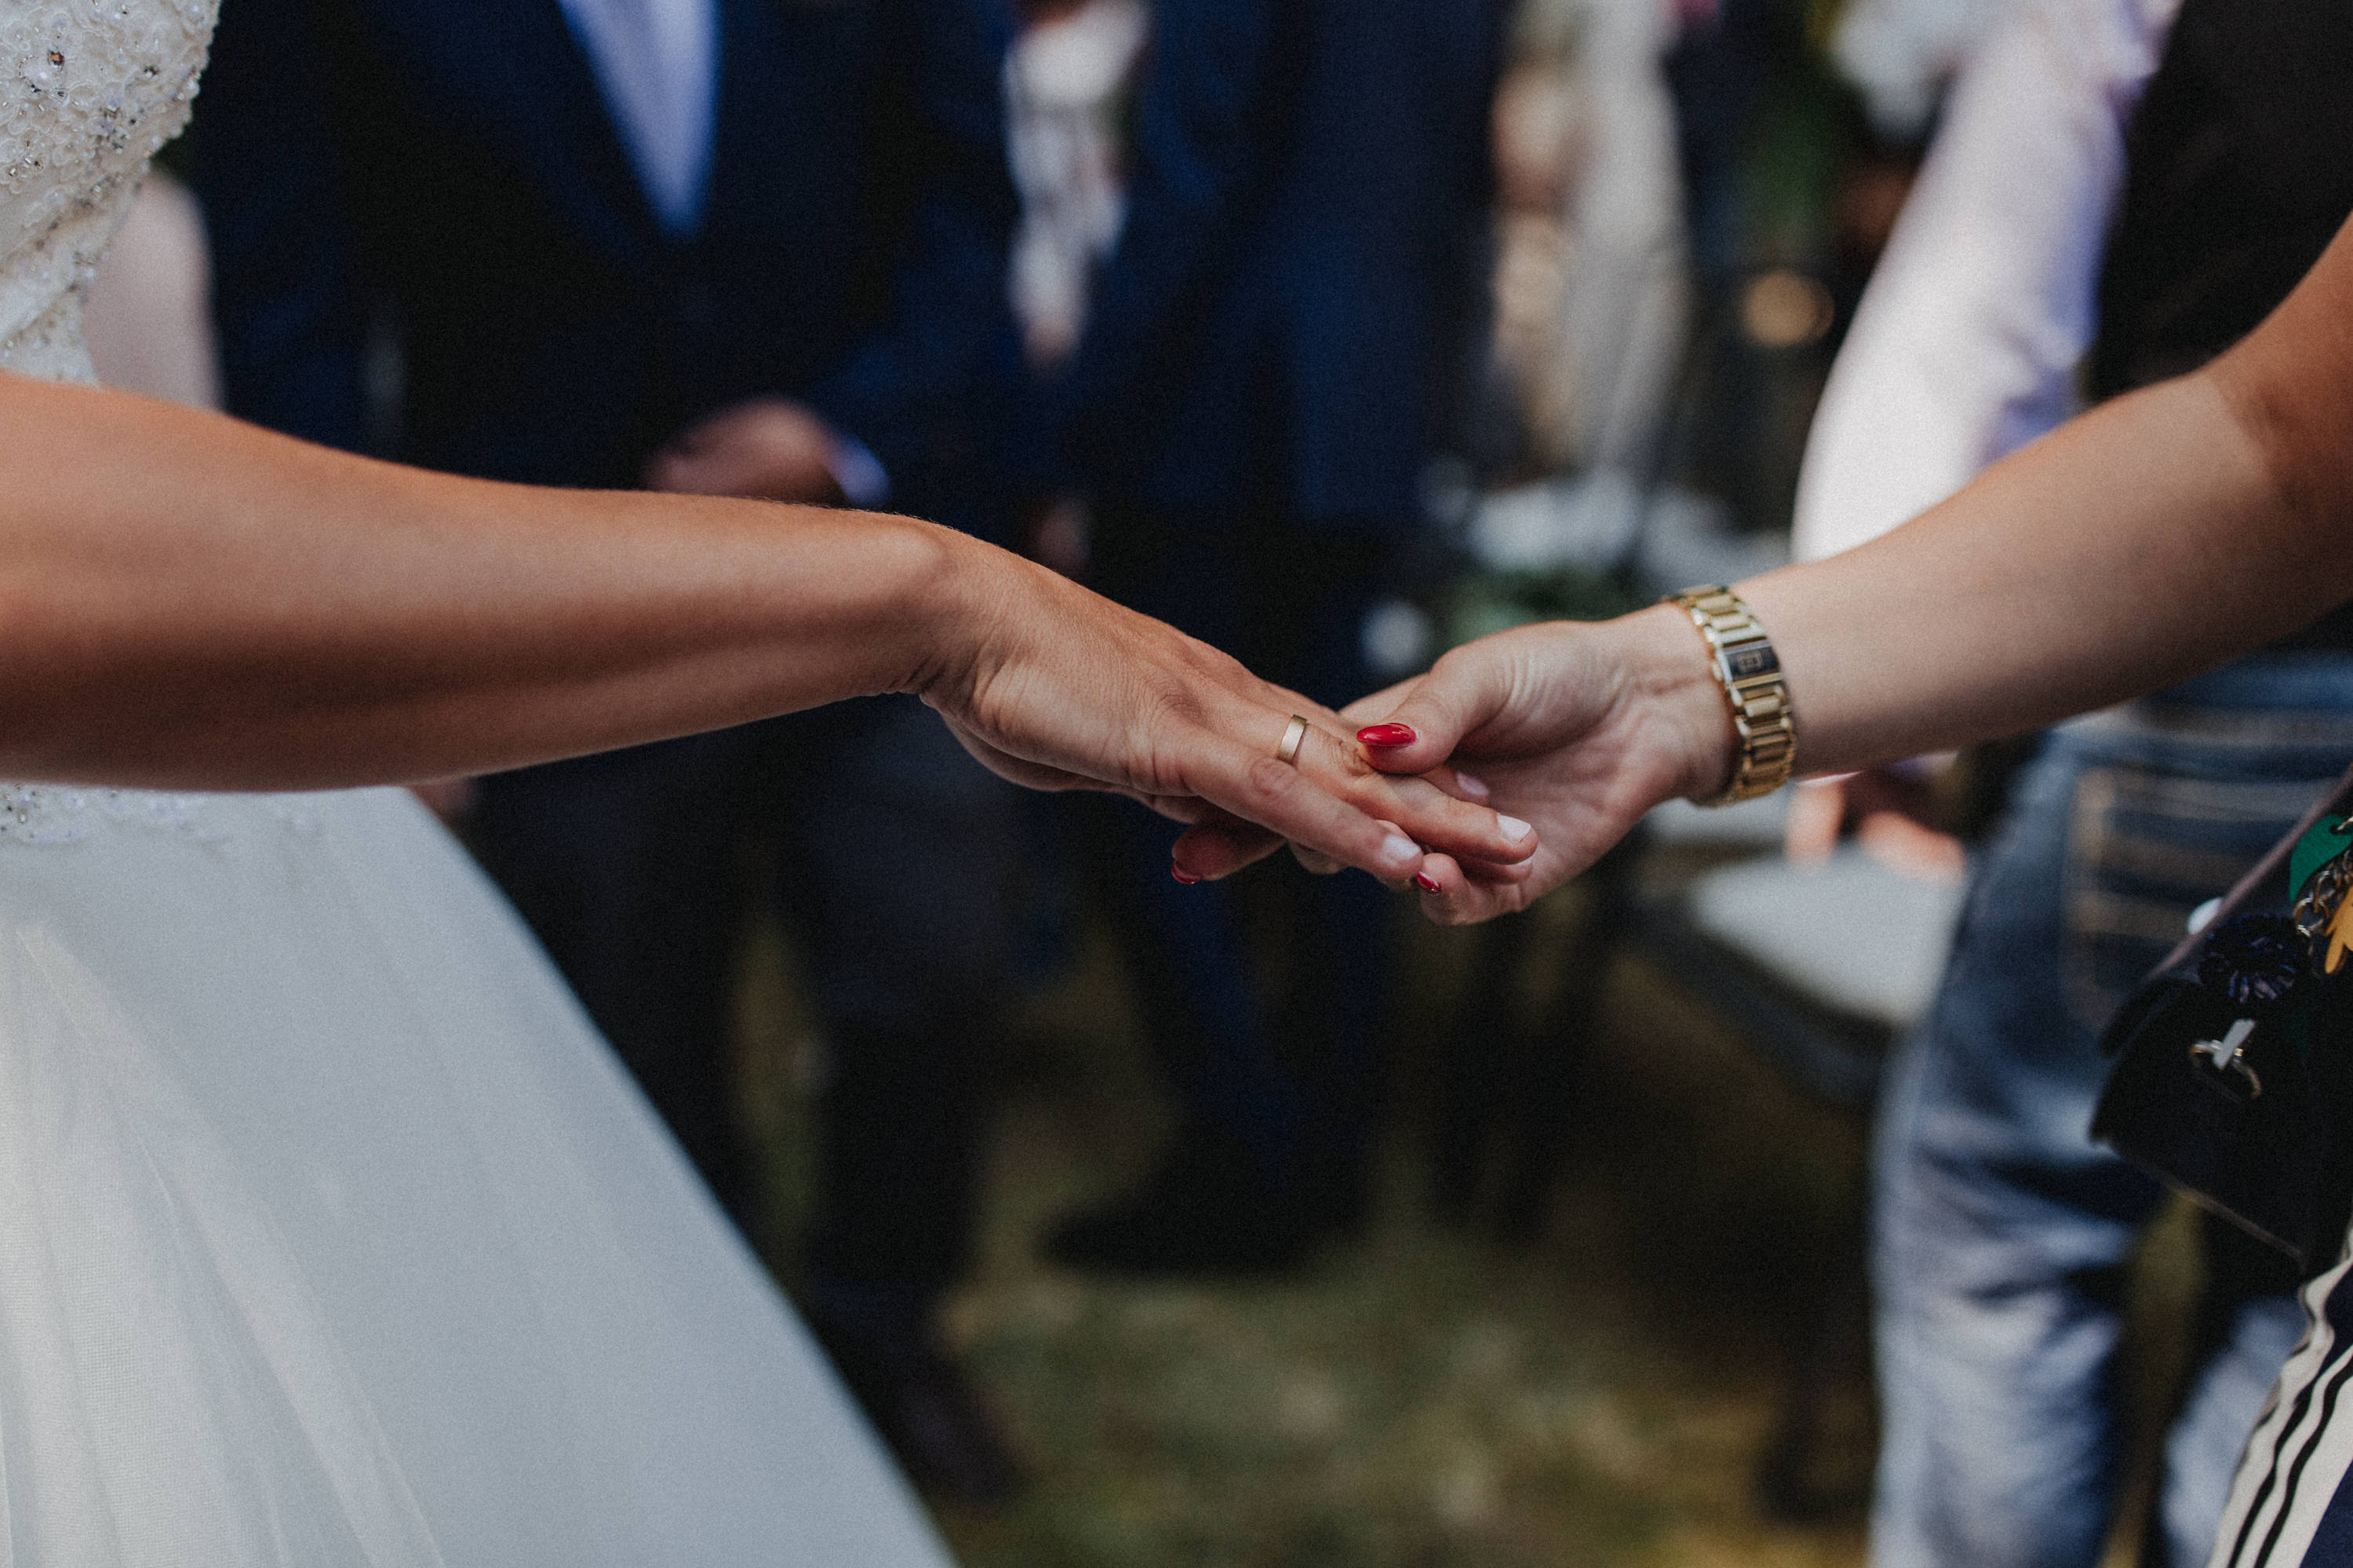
[(2158, 535), (2134, 546), (188, 602)]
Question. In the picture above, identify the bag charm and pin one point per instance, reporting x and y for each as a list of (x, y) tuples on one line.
[(2253, 963), (2254, 960), (2322, 867)]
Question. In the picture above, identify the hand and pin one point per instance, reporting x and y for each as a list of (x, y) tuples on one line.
[(1579, 729), (768, 448), (1057, 688), (1894, 813)]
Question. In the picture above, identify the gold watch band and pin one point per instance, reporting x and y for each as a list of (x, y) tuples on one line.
[(1750, 674)]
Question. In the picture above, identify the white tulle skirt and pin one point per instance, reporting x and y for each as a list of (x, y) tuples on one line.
[(330, 1231)]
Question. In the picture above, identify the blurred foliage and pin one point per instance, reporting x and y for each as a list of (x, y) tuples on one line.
[(1479, 602)]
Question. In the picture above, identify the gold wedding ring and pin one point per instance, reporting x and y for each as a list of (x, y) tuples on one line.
[(1293, 734)]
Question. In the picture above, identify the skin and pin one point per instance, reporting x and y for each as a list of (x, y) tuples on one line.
[(766, 448), (2155, 536), (191, 603)]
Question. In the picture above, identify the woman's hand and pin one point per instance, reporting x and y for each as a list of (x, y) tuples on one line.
[(1057, 688), (766, 448), (1579, 729)]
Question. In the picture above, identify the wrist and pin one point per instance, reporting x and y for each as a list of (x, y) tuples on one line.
[(930, 614), (1670, 674), (975, 604)]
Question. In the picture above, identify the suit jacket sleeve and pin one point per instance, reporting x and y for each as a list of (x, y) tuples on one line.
[(1201, 108), (286, 300), (929, 383)]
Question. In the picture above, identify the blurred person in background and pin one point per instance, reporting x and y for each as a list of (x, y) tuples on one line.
[(711, 246), (1902, 55), (1067, 82), (1261, 378), (1063, 84), (2108, 180), (1591, 292)]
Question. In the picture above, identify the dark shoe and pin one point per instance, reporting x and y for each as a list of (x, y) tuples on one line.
[(1202, 1211), (927, 1410)]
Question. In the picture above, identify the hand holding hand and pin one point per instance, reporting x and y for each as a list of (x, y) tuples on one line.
[(1579, 729), (1057, 688), (768, 448)]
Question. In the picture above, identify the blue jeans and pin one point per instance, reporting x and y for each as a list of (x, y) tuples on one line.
[(2001, 1231)]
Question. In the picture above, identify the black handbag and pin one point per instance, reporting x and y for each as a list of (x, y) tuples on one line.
[(2233, 1061)]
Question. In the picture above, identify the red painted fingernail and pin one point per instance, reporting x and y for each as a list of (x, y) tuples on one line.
[(1425, 881), (1183, 876), (1387, 735)]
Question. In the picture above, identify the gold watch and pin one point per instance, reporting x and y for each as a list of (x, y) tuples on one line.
[(1749, 671)]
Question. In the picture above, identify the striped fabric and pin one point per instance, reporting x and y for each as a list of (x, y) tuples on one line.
[(2289, 1504)]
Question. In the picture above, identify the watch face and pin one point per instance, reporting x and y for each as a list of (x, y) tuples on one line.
[(1757, 658)]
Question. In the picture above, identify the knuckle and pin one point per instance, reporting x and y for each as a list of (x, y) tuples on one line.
[(1270, 780)]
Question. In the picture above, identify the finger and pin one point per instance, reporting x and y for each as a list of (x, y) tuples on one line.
[(1420, 808), (1817, 811), (1207, 853), (684, 474), (1487, 871), (1907, 846), (1220, 844), (1461, 693), (1287, 801), (1323, 864), (1320, 864), (1450, 898), (1375, 706), (1459, 785)]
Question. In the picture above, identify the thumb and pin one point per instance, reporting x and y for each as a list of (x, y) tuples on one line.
[(1462, 692)]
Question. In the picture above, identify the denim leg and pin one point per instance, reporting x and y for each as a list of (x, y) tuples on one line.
[(2000, 1230)]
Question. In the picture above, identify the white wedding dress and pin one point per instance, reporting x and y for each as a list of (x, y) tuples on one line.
[(330, 1233)]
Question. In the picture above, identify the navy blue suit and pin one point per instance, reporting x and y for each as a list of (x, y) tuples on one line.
[(1268, 366), (1305, 242), (445, 171), (436, 185)]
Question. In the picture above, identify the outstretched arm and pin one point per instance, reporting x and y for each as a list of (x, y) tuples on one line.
[(2160, 534), (189, 601)]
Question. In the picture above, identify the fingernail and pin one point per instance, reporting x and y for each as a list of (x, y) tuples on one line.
[(1425, 881), (1183, 876), (1398, 847), (1475, 788), (1387, 735), (1513, 828)]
